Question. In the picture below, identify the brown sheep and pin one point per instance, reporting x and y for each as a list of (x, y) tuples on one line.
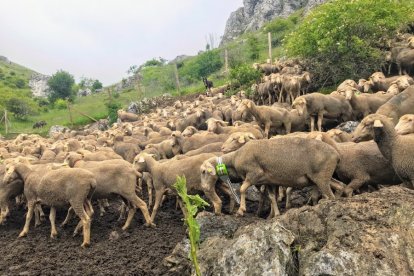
[(398, 105), (405, 125), (127, 116)]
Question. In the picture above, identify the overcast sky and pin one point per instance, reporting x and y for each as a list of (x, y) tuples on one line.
[(102, 38)]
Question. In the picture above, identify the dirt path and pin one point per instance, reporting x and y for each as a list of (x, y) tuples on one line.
[(139, 251)]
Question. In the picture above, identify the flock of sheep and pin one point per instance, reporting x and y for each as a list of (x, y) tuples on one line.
[(263, 145)]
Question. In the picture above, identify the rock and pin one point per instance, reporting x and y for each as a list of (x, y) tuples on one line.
[(101, 125), (113, 236), (252, 193), (256, 13), (15, 267), (261, 248), (368, 234), (146, 104), (38, 85), (57, 129), (349, 126), (84, 92), (210, 226)]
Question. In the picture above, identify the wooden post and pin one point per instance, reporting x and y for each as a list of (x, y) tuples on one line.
[(70, 113), (110, 94), (177, 79), (6, 121), (226, 61), (269, 38)]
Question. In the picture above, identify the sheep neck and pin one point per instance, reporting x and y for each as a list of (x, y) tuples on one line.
[(23, 170), (385, 137), (255, 112), (151, 163)]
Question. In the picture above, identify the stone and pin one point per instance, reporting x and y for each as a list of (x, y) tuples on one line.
[(349, 126), (57, 129), (38, 85)]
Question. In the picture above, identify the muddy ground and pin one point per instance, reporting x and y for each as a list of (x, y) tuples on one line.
[(139, 251)]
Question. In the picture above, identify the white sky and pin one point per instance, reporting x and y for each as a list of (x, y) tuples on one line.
[(102, 38)]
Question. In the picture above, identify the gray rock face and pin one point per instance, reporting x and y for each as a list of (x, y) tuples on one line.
[(256, 13), (38, 85), (57, 129), (349, 126)]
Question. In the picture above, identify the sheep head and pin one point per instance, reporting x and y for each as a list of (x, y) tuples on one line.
[(189, 131), (10, 173), (300, 105), (405, 125), (245, 105), (236, 141), (72, 158), (208, 176)]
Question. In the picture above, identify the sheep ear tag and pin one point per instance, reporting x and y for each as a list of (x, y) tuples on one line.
[(377, 123), (141, 159)]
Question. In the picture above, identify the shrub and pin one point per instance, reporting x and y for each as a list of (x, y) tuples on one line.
[(201, 66), (20, 83), (20, 108), (96, 85), (244, 75), (253, 47), (60, 104), (343, 39), (113, 108)]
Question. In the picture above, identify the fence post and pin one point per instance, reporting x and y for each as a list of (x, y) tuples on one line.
[(269, 38), (226, 61), (70, 113), (6, 121), (177, 79)]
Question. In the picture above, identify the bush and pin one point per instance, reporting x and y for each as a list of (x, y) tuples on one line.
[(60, 104), (113, 108), (201, 66), (61, 86), (343, 39), (253, 47), (20, 83), (20, 109), (96, 85), (244, 75)]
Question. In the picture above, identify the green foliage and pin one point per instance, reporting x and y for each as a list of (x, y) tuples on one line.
[(96, 85), (253, 47), (20, 83), (60, 104), (244, 75), (112, 108), (202, 65), (155, 62), (343, 39), (19, 108), (158, 79), (60, 85), (191, 205), (280, 27)]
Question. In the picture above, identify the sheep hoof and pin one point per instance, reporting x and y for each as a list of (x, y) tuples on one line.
[(75, 234), (102, 214), (85, 245), (23, 234), (152, 225), (53, 236), (240, 213)]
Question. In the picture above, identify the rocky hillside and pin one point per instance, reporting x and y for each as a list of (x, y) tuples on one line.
[(255, 13)]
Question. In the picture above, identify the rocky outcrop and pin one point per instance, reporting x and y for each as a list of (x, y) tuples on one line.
[(38, 85), (255, 13), (369, 234)]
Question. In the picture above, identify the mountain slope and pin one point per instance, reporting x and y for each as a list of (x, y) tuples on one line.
[(255, 13)]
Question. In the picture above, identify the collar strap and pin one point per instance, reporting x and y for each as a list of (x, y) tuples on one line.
[(221, 168)]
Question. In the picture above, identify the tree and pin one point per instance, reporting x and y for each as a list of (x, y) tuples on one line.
[(19, 108), (96, 85), (61, 86), (344, 39), (203, 65)]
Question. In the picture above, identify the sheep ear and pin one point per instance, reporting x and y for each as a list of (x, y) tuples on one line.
[(378, 123), (242, 140), (318, 137), (251, 136), (249, 104)]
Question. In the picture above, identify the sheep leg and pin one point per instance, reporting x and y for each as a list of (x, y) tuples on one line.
[(122, 211), (312, 119), (315, 194), (29, 216), (40, 210), (86, 223), (274, 210), (4, 213), (288, 197), (354, 185), (68, 217), (246, 184), (322, 180), (139, 203), (320, 119), (262, 200), (267, 129), (215, 199), (288, 126), (158, 197), (101, 207), (281, 193), (226, 190), (52, 218), (131, 213), (37, 216)]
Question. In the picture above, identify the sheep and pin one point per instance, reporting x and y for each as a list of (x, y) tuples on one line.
[(405, 125), (197, 120), (257, 163), (165, 148), (164, 174), (339, 136), (398, 105), (220, 127), (209, 148), (378, 82), (266, 116), (127, 116), (189, 131), (365, 104), (184, 145), (397, 149), (8, 190), (127, 150), (56, 188), (100, 155), (322, 105), (400, 84), (236, 140), (113, 177)]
